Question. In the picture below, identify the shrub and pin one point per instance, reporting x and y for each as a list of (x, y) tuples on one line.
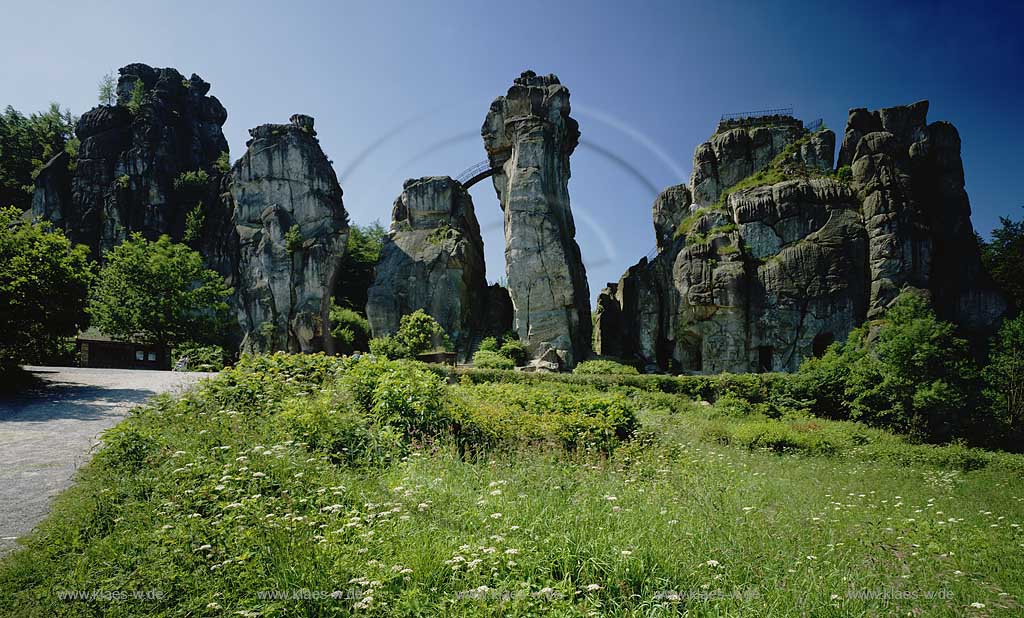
[(191, 181), (223, 163), (411, 399), (126, 448), (606, 367), (200, 357), (293, 239), (418, 333), (337, 427), (350, 330), (489, 344), (487, 359), (515, 351), (844, 173), (1004, 379), (137, 97)]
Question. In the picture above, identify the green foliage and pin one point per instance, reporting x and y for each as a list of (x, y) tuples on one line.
[(192, 182), (487, 359), (44, 283), (355, 276), (914, 375), (418, 333), (293, 239), (107, 90), (122, 182), (604, 367), (195, 219), (441, 233), (331, 424), (158, 292), (223, 164), (489, 344), (350, 330), (26, 145), (1004, 259), (844, 173), (1004, 379), (514, 350), (200, 357), (126, 448), (137, 97)]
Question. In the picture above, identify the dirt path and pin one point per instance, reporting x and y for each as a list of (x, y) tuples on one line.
[(48, 432)]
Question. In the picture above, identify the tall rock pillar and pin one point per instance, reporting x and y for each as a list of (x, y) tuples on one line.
[(292, 233), (529, 137)]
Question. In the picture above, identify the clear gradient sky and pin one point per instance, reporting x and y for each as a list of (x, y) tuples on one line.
[(400, 89)]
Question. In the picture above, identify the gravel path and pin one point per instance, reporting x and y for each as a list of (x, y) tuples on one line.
[(48, 432)]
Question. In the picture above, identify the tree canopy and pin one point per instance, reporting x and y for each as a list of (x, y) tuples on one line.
[(44, 283), (356, 274), (1004, 259), (159, 292), (26, 145)]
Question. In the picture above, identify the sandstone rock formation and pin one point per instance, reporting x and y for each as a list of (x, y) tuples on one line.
[(529, 137), (292, 231), (433, 259), (130, 160), (757, 278)]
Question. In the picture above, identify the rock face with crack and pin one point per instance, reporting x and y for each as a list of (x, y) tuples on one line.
[(529, 136), (433, 260), (778, 256), (292, 231)]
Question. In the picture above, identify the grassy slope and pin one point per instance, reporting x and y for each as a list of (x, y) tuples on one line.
[(735, 531)]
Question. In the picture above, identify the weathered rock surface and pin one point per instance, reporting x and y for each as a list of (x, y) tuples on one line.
[(129, 161), (292, 231), (529, 136), (775, 273), (433, 260)]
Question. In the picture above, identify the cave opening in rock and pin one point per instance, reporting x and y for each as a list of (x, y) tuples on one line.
[(765, 358), (821, 343)]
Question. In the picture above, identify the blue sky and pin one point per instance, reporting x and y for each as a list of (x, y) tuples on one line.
[(400, 89)]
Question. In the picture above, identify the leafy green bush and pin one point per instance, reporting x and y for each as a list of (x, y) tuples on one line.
[(487, 359), (223, 163), (126, 448), (913, 376), (844, 173), (411, 399), (514, 350), (200, 357), (194, 181), (334, 425), (293, 239), (350, 330), (605, 367), (418, 333), (137, 97), (1004, 380), (489, 344)]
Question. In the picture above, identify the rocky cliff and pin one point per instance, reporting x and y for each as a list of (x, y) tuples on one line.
[(292, 231), (143, 165), (433, 259), (529, 136), (778, 255)]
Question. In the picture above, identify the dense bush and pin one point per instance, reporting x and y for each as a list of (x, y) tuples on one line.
[(604, 367), (192, 181), (489, 344), (487, 359), (200, 357), (418, 333), (350, 330), (333, 424), (1004, 380), (909, 373)]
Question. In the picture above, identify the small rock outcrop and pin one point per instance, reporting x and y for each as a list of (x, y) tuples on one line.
[(143, 165), (292, 231), (759, 276), (529, 136), (433, 260)]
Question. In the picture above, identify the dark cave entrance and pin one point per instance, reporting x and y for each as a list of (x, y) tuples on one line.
[(765, 358), (821, 343)]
